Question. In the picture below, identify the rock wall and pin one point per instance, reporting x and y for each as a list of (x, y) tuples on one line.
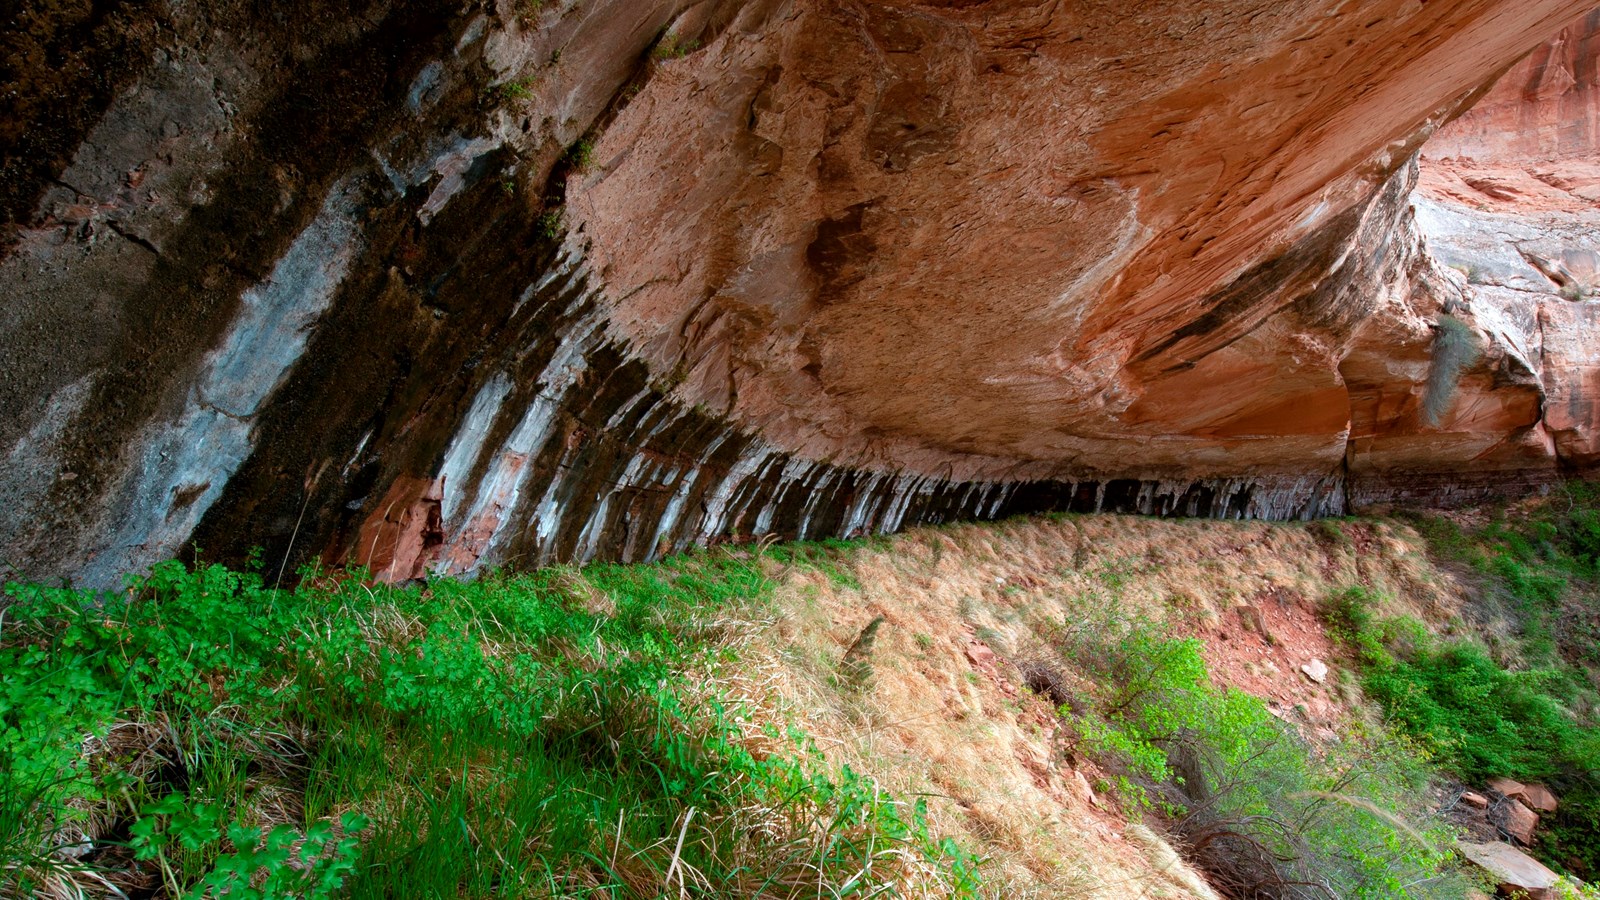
[(439, 286), (1509, 203)]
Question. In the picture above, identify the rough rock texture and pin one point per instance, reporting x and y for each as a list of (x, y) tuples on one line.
[(1547, 107), (1516, 821), (1510, 199), (1197, 208), (432, 286), (1515, 874)]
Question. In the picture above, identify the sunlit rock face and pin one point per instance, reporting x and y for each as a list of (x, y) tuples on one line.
[(433, 287)]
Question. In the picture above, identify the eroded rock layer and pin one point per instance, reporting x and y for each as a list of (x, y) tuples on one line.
[(433, 287)]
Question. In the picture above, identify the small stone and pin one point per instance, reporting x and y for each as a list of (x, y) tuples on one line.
[(1474, 799), (1516, 873), (1252, 620), (1316, 670), (979, 653)]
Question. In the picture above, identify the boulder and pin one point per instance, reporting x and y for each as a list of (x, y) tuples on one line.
[(1474, 799), (1506, 786), (1538, 797), (1518, 821), (1514, 872), (1533, 796), (1084, 789), (1316, 670)]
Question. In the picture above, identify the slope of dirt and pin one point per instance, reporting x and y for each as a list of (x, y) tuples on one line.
[(950, 714)]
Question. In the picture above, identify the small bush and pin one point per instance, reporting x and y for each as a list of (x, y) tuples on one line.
[(856, 667), (517, 89), (580, 156), (673, 47), (1455, 348), (550, 224), (1246, 799)]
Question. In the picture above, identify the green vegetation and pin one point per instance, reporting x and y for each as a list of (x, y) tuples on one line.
[(1455, 347), (1525, 703), (1255, 807), (824, 556), (673, 47), (561, 734), (1479, 719), (517, 89), (580, 156), (550, 224)]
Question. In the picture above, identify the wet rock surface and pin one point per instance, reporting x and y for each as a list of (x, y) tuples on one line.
[(433, 287)]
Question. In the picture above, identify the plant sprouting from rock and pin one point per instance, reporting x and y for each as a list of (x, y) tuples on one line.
[(1455, 347)]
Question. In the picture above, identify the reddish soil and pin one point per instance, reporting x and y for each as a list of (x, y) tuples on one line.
[(1261, 653)]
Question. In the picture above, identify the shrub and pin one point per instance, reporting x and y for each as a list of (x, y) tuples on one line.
[(517, 89), (1478, 718), (580, 156), (673, 47), (1248, 801), (1583, 534), (550, 224), (1455, 347)]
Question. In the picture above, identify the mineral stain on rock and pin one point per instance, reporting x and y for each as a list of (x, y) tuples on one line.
[(297, 280)]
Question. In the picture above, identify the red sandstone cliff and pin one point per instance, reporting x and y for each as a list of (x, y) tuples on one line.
[(434, 286)]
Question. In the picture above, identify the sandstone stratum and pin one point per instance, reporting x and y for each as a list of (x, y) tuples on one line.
[(436, 287)]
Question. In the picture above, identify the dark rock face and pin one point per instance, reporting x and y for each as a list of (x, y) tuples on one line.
[(302, 277)]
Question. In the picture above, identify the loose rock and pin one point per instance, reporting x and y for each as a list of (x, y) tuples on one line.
[(1519, 821), (1511, 869)]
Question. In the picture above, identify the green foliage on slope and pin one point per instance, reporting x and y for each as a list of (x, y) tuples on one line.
[(1257, 808), (1521, 700), (560, 734)]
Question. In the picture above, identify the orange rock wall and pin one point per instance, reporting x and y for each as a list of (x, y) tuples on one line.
[(1546, 107), (1034, 240), (439, 286)]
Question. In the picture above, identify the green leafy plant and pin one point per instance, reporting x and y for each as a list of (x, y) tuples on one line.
[(1455, 348), (552, 734), (285, 862), (550, 224), (671, 46), (580, 156), (1248, 800), (517, 89)]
